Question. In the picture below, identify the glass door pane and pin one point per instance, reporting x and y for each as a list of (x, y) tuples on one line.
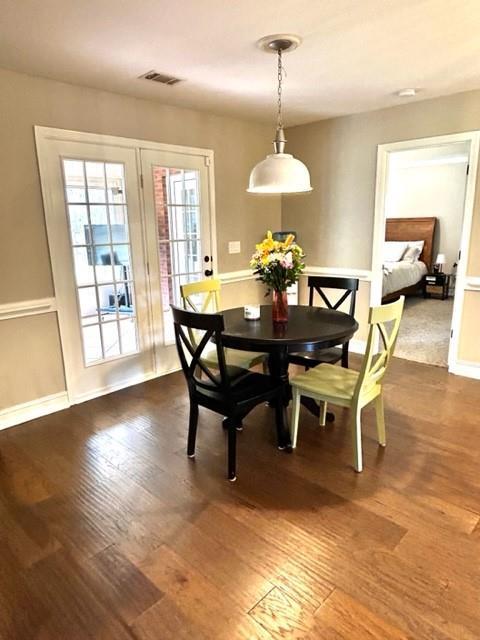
[(97, 214), (179, 235), (178, 224)]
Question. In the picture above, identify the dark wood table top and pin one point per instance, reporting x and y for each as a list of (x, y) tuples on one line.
[(308, 328)]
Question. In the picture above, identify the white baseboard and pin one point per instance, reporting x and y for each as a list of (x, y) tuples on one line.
[(466, 369), (39, 407), (33, 409), (357, 346), (103, 391)]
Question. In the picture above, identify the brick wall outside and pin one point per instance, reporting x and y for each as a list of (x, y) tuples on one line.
[(161, 212)]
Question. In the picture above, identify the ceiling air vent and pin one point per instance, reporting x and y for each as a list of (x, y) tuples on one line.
[(162, 78)]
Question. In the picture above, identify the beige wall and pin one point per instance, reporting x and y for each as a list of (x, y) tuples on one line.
[(243, 292), (469, 347), (31, 364), (335, 222), (26, 101)]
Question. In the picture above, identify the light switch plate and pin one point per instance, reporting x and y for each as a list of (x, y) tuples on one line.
[(234, 246)]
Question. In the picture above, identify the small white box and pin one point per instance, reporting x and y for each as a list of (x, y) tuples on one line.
[(251, 311)]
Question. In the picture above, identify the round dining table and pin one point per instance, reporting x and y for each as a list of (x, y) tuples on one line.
[(307, 329)]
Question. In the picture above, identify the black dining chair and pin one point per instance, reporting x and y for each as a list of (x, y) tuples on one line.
[(228, 390), (317, 284)]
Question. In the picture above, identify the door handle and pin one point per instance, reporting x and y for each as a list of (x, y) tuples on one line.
[(208, 272)]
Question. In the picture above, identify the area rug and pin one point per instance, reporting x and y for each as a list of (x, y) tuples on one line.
[(425, 331)]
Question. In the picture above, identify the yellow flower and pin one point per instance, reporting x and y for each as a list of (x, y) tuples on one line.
[(268, 244), (289, 240)]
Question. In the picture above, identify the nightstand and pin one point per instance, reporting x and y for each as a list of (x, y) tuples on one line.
[(436, 284)]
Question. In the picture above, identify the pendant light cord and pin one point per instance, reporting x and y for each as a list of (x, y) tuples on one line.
[(279, 90)]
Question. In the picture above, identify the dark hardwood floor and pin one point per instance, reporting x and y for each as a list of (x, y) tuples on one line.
[(108, 530)]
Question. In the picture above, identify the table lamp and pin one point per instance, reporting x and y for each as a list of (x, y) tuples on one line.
[(441, 260)]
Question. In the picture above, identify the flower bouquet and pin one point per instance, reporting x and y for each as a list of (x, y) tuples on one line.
[(278, 265)]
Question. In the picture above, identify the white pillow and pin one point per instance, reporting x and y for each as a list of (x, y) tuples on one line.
[(393, 251), (413, 251)]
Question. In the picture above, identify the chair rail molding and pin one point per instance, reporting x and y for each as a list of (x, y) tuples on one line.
[(472, 283), (365, 275), (235, 276), (344, 272), (11, 310), (310, 270)]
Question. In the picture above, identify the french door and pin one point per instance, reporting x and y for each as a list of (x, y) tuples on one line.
[(94, 225), (126, 227), (176, 190)]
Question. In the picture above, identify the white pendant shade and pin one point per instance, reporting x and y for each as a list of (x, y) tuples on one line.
[(279, 173)]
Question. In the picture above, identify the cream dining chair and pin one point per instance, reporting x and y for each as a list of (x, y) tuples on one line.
[(353, 389), (204, 297)]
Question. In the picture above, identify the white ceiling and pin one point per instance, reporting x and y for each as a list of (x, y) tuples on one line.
[(354, 56)]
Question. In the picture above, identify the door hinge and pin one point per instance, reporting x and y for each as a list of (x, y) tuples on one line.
[(459, 255), (468, 169), (141, 181), (148, 268), (207, 161), (451, 333)]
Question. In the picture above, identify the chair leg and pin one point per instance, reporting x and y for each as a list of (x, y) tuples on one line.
[(380, 413), (232, 451), (322, 416), (357, 438), (265, 368), (345, 356), (295, 416), (192, 429)]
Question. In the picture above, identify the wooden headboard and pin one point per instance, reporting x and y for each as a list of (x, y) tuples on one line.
[(399, 229)]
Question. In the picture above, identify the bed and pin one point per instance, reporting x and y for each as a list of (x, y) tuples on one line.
[(402, 277)]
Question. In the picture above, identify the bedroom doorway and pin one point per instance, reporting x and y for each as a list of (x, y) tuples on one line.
[(422, 230)]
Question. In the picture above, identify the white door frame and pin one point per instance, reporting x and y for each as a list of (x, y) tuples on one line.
[(383, 158), (45, 134)]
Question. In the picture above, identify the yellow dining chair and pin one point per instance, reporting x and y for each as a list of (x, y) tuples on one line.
[(204, 297), (353, 389)]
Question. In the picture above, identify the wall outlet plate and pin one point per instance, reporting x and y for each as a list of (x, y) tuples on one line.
[(234, 246)]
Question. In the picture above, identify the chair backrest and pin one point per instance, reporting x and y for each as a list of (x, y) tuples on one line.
[(202, 296), (208, 325), (384, 323), (349, 286)]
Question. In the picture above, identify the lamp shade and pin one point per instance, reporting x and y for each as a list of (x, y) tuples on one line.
[(441, 258), (279, 173)]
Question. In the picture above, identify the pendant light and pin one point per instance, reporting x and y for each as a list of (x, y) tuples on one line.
[(280, 172)]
